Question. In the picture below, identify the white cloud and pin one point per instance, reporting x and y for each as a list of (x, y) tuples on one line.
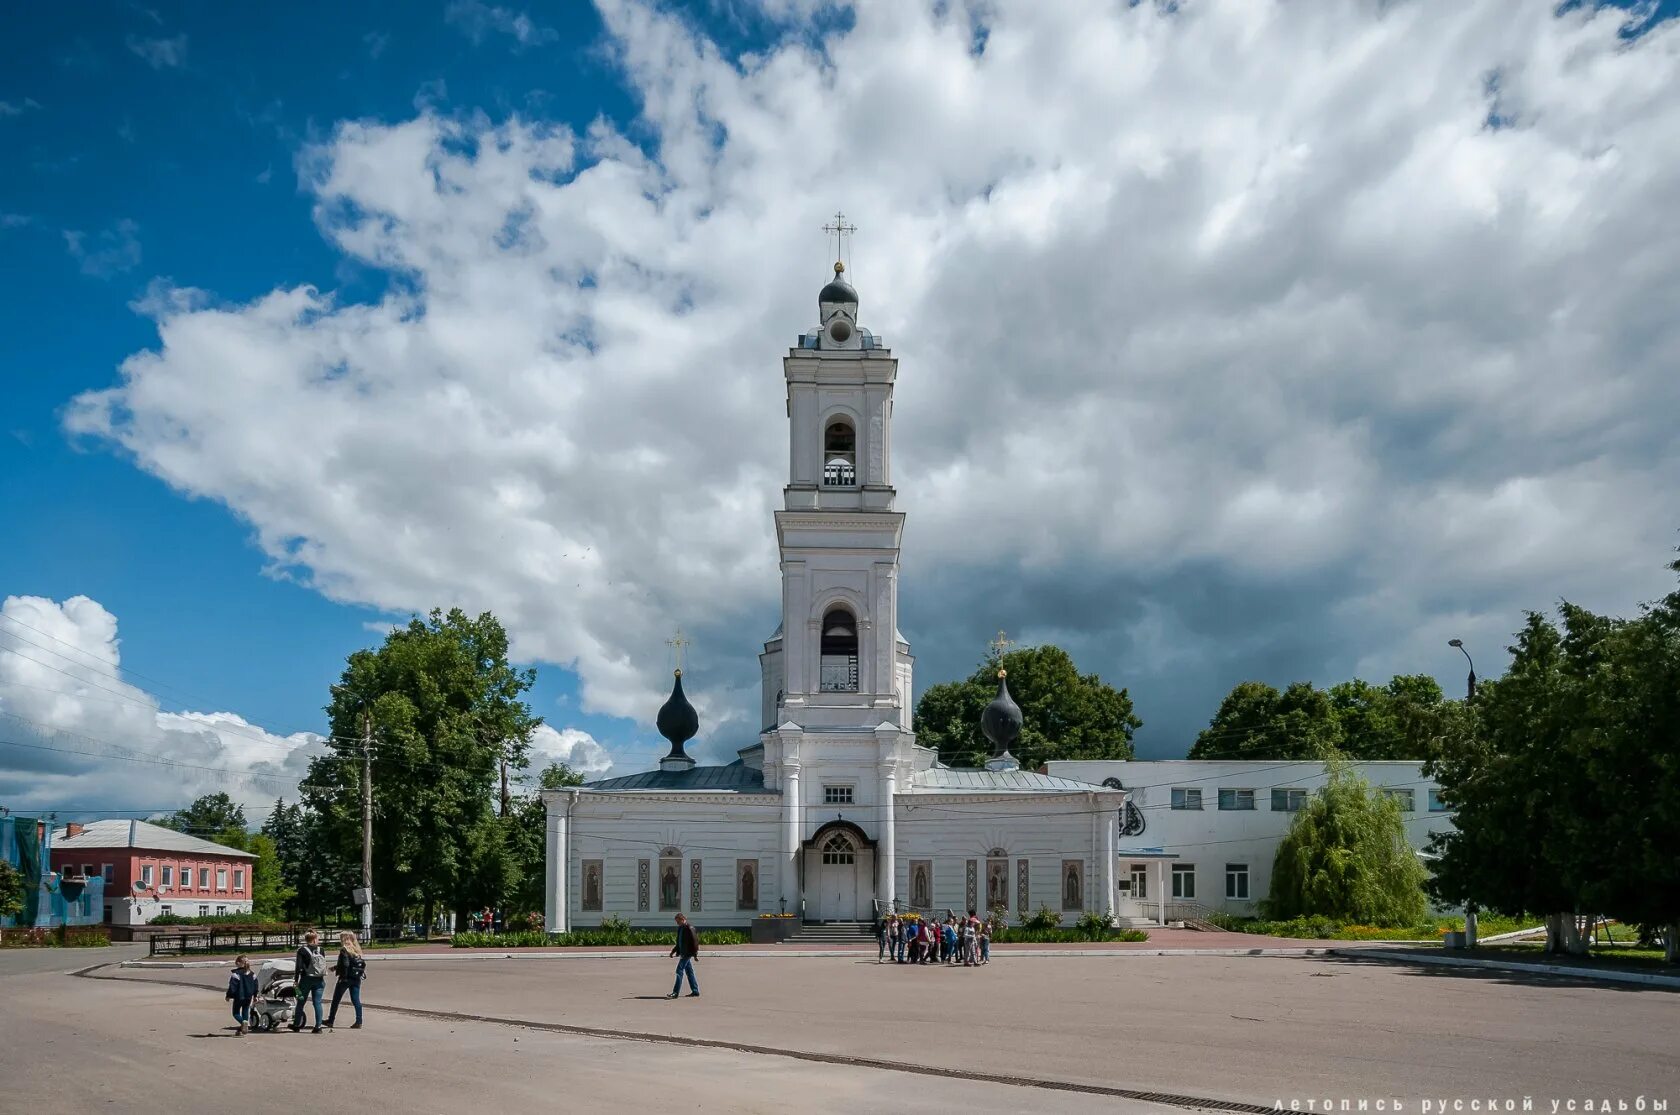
[(74, 735), (572, 746), (109, 252), (18, 108), (159, 53), (477, 20), (1235, 329)]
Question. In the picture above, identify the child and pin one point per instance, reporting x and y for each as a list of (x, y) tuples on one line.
[(241, 989)]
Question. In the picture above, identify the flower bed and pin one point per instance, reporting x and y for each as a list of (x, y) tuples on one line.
[(1016, 935), (63, 936)]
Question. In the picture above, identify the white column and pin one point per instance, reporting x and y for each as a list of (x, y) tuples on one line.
[(790, 828), (554, 870), (1160, 894), (889, 858), (1111, 823)]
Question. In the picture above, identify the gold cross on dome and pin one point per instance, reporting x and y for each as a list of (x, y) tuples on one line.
[(839, 229), (1001, 644), (678, 643)]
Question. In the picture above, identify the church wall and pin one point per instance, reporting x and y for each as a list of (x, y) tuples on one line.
[(716, 830), (1041, 830)]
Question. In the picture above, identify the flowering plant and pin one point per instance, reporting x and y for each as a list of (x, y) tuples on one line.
[(778, 915)]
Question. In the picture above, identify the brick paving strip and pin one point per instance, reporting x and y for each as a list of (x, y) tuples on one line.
[(1197, 1103)]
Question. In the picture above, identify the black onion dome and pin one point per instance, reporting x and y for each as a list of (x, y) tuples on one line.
[(838, 289), (1002, 719), (677, 720)]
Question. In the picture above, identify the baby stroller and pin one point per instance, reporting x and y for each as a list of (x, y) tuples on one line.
[(276, 995)]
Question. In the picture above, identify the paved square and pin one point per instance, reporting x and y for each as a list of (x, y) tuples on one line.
[(1252, 1030)]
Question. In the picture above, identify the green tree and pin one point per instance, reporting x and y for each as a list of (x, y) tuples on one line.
[(1346, 857), (284, 828), (1065, 714), (525, 839), (446, 709), (212, 813), (1255, 721), (557, 776), (11, 890)]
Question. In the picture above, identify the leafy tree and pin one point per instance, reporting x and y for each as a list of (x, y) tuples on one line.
[(557, 776), (11, 890), (1346, 857), (1255, 721), (1409, 718), (1065, 714), (211, 813), (269, 892), (446, 709), (1566, 795), (525, 838)]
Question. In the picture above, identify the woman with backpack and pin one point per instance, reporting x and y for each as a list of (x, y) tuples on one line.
[(350, 969), (310, 976), (241, 989)]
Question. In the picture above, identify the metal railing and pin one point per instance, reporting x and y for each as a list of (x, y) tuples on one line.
[(219, 939)]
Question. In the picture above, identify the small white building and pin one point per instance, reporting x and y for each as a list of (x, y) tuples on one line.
[(1206, 831)]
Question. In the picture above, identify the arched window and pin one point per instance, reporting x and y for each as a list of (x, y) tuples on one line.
[(839, 455), (839, 661), (838, 849)]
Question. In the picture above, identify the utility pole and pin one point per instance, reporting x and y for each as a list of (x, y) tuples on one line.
[(367, 823)]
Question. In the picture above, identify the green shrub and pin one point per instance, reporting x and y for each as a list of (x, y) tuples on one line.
[(1020, 935), (243, 921), (72, 937), (1042, 918), (621, 933), (1094, 925)]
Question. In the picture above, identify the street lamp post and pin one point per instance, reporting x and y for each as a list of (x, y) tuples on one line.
[(1470, 691), (1469, 695)]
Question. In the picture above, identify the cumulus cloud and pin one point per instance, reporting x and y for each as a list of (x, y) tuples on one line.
[(75, 736), (1239, 339), (107, 253), (572, 746), (159, 53), (477, 20)]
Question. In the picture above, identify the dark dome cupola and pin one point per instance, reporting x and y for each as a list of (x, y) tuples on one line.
[(677, 722), (1001, 722)]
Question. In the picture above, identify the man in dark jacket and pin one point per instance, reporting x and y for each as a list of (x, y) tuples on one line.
[(687, 951)]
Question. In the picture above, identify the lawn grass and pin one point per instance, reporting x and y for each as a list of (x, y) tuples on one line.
[(1609, 956)]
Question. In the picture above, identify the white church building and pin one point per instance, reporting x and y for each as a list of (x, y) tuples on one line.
[(836, 812)]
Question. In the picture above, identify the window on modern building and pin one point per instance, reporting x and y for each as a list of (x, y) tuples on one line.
[(204, 878), (239, 878), (839, 662), (1186, 797), (168, 874), (1286, 799), (1236, 799), (839, 455), (837, 795), (1436, 805), (1140, 880), (1184, 880), (1407, 800), (221, 878), (146, 873), (1236, 881)]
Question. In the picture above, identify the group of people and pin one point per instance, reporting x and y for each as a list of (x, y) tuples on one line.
[(913, 940), (309, 980)]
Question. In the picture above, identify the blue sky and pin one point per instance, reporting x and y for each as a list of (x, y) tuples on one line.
[(1204, 378)]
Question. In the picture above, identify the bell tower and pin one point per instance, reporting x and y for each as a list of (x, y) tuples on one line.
[(838, 660)]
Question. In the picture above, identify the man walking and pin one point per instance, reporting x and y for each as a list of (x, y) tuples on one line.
[(687, 951)]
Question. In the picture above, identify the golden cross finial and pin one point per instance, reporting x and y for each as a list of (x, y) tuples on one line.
[(839, 229), (678, 643), (1001, 644)]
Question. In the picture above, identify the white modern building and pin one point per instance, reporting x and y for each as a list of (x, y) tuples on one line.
[(1204, 833), (835, 811)]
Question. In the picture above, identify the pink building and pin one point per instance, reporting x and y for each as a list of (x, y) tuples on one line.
[(150, 870)]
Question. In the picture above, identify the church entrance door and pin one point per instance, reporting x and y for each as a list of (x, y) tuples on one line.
[(841, 880)]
